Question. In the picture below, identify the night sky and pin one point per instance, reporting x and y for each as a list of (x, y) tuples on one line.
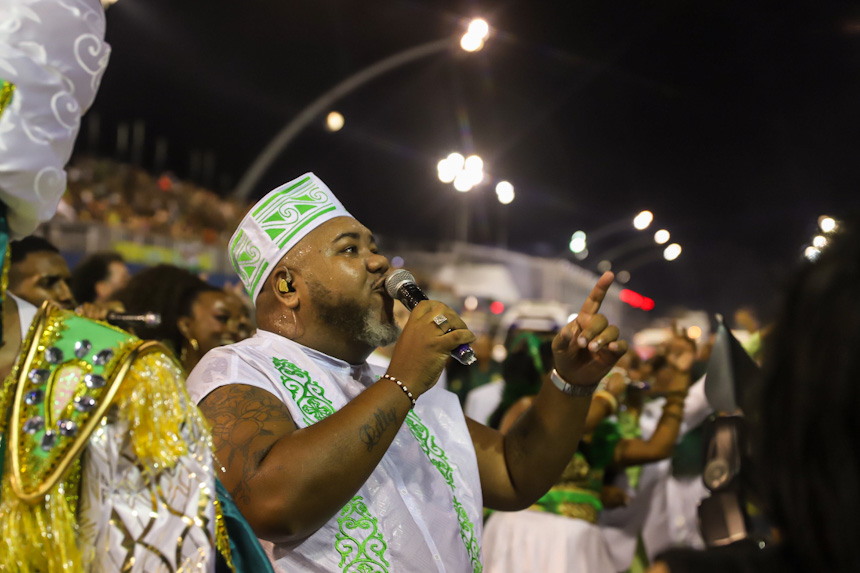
[(736, 122)]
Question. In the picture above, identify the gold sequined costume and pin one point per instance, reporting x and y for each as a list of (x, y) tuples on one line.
[(107, 466)]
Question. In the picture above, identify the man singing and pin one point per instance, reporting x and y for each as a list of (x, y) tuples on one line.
[(338, 468)]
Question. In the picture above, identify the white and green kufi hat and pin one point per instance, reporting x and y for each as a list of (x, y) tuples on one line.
[(276, 223)]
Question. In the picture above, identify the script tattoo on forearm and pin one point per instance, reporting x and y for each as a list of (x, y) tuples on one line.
[(371, 434)]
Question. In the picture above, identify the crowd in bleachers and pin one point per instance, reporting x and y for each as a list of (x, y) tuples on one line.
[(122, 195)]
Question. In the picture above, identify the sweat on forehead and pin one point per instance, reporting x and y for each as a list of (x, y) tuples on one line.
[(276, 224)]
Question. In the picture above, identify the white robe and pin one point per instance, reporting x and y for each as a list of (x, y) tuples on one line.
[(406, 513)]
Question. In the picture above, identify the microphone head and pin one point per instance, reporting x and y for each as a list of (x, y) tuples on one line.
[(152, 319), (396, 280)]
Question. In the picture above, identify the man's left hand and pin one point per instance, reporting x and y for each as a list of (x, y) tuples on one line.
[(588, 347)]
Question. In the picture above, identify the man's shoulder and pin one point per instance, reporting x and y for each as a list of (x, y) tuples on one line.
[(251, 362)]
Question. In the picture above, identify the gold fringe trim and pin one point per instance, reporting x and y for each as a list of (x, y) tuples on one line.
[(153, 400), (222, 540), (41, 537), (37, 538)]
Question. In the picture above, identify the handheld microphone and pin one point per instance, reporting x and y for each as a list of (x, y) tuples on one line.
[(128, 319), (401, 285)]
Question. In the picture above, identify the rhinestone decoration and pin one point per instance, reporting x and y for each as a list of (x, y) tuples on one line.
[(49, 439), (82, 348), (84, 403), (94, 381), (34, 424), (39, 376), (103, 357), (53, 355), (34, 397), (67, 428)]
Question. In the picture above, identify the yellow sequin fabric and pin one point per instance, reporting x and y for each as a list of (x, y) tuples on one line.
[(6, 91), (221, 538), (153, 449)]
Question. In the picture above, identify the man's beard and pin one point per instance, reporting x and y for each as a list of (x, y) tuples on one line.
[(361, 324)]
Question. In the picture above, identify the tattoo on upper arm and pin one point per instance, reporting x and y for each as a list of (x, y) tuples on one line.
[(245, 421), (371, 433)]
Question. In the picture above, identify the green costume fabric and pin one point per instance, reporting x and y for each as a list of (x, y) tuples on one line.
[(247, 554), (577, 494)]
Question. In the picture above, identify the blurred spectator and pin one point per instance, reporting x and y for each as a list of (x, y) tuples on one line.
[(806, 432), (560, 532), (661, 509), (195, 316), (37, 272), (98, 277), (462, 379)]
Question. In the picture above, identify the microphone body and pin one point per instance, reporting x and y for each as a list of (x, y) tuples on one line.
[(401, 285), (129, 319)]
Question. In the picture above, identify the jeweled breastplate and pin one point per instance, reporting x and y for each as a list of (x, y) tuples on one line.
[(67, 375)]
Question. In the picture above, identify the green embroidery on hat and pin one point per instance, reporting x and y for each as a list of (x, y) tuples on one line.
[(277, 221), (307, 394), (359, 541), (273, 197)]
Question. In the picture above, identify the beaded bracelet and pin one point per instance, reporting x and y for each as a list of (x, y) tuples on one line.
[(402, 387)]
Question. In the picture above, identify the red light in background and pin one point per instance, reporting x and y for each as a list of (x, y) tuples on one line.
[(632, 298), (636, 300), (497, 307)]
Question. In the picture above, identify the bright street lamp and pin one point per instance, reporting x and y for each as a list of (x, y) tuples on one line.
[(577, 243), (672, 252), (827, 224), (642, 220), (661, 237), (462, 182), (505, 192), (819, 242), (473, 39), (811, 253), (334, 121), (465, 172)]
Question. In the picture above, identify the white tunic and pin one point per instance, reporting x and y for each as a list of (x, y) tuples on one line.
[(420, 510)]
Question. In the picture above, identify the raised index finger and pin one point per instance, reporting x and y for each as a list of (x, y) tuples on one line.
[(598, 293)]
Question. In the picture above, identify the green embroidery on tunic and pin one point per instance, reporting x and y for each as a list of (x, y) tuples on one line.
[(428, 444), (467, 533), (308, 394), (359, 541), (438, 458)]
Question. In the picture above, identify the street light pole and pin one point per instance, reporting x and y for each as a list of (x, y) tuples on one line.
[(271, 152)]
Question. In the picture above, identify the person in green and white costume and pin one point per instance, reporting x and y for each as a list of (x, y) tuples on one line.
[(341, 467), (105, 465)]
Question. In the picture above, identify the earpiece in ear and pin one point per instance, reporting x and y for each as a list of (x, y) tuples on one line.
[(284, 286)]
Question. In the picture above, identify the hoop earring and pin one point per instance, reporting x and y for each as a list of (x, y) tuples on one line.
[(183, 354)]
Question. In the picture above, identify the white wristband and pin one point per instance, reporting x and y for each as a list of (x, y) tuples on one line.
[(571, 389)]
